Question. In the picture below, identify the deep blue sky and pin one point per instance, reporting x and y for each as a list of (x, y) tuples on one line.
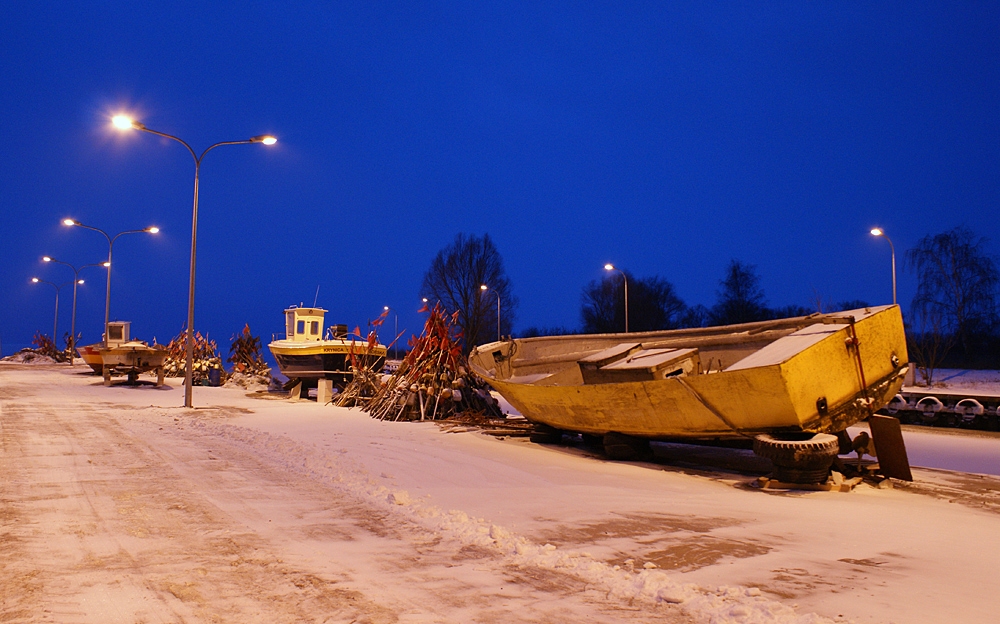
[(667, 138)]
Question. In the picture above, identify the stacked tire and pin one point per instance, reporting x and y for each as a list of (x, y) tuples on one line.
[(798, 457)]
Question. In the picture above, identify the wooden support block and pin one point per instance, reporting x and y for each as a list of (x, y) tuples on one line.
[(296, 392), (107, 375), (324, 391), (159, 376), (889, 447)]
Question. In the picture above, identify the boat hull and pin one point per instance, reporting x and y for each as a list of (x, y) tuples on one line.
[(327, 359), (809, 379), (91, 355), (133, 358)]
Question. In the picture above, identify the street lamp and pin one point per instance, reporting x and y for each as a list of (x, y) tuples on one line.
[(123, 122), (76, 280), (485, 288), (55, 322), (611, 267), (395, 330), (111, 246), (892, 249)]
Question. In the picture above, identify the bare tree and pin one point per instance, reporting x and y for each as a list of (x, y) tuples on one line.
[(653, 304), (741, 299), (455, 278), (929, 343), (957, 284)]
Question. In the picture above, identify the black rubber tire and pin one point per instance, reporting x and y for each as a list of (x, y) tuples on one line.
[(798, 458), (796, 448), (621, 447)]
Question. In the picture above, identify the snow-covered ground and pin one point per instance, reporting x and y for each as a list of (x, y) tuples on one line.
[(119, 505)]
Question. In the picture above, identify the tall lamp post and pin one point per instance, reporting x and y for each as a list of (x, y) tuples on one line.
[(123, 122), (395, 331), (892, 249), (76, 281), (485, 288), (55, 322), (111, 246), (611, 267)]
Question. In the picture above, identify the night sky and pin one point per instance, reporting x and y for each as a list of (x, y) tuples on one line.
[(666, 138)]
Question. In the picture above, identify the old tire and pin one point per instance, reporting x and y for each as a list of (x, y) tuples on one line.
[(621, 447), (798, 458)]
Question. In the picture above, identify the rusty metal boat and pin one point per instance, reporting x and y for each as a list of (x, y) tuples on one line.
[(817, 374)]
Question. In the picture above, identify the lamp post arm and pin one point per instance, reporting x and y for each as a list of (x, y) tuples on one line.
[(139, 126), (87, 227)]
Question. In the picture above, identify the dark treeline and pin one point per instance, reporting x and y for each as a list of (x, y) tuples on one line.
[(951, 322)]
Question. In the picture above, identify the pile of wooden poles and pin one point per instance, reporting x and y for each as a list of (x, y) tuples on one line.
[(433, 381), (206, 357)]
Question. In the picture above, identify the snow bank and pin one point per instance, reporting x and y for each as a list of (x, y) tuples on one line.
[(28, 356), (718, 605)]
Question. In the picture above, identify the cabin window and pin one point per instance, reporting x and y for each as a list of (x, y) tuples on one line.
[(115, 332), (300, 328), (314, 328)]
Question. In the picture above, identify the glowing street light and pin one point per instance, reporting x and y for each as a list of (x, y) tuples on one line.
[(892, 249), (124, 122), (55, 322), (611, 267), (76, 281), (485, 288), (111, 245)]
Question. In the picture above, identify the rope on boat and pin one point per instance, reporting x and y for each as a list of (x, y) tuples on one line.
[(853, 341), (714, 411)]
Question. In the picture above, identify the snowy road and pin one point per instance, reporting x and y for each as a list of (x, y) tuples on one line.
[(119, 506), (148, 518)]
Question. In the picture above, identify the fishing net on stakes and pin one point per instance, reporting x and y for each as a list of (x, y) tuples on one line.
[(433, 381)]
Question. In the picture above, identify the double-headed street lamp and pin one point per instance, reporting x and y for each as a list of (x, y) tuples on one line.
[(76, 280), (111, 246), (55, 323), (126, 123), (486, 288), (892, 249), (611, 267)]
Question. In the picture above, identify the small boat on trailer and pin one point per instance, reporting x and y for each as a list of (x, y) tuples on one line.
[(312, 358), (786, 378), (120, 354)]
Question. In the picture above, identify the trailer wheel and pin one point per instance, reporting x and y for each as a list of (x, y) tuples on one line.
[(798, 458)]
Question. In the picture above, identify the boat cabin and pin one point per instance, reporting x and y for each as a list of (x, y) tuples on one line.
[(304, 324), (118, 333)]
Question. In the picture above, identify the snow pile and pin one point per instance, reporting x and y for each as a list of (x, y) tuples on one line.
[(719, 605), (29, 356), (249, 381)]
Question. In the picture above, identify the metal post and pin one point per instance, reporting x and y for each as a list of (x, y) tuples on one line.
[(189, 350), (55, 323), (892, 248), (126, 123), (625, 280)]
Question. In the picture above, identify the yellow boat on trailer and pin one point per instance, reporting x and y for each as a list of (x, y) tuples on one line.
[(814, 374), (311, 358)]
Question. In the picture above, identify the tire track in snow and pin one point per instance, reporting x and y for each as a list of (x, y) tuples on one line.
[(719, 605)]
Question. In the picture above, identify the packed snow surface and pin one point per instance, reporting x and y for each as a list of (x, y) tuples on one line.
[(121, 506)]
